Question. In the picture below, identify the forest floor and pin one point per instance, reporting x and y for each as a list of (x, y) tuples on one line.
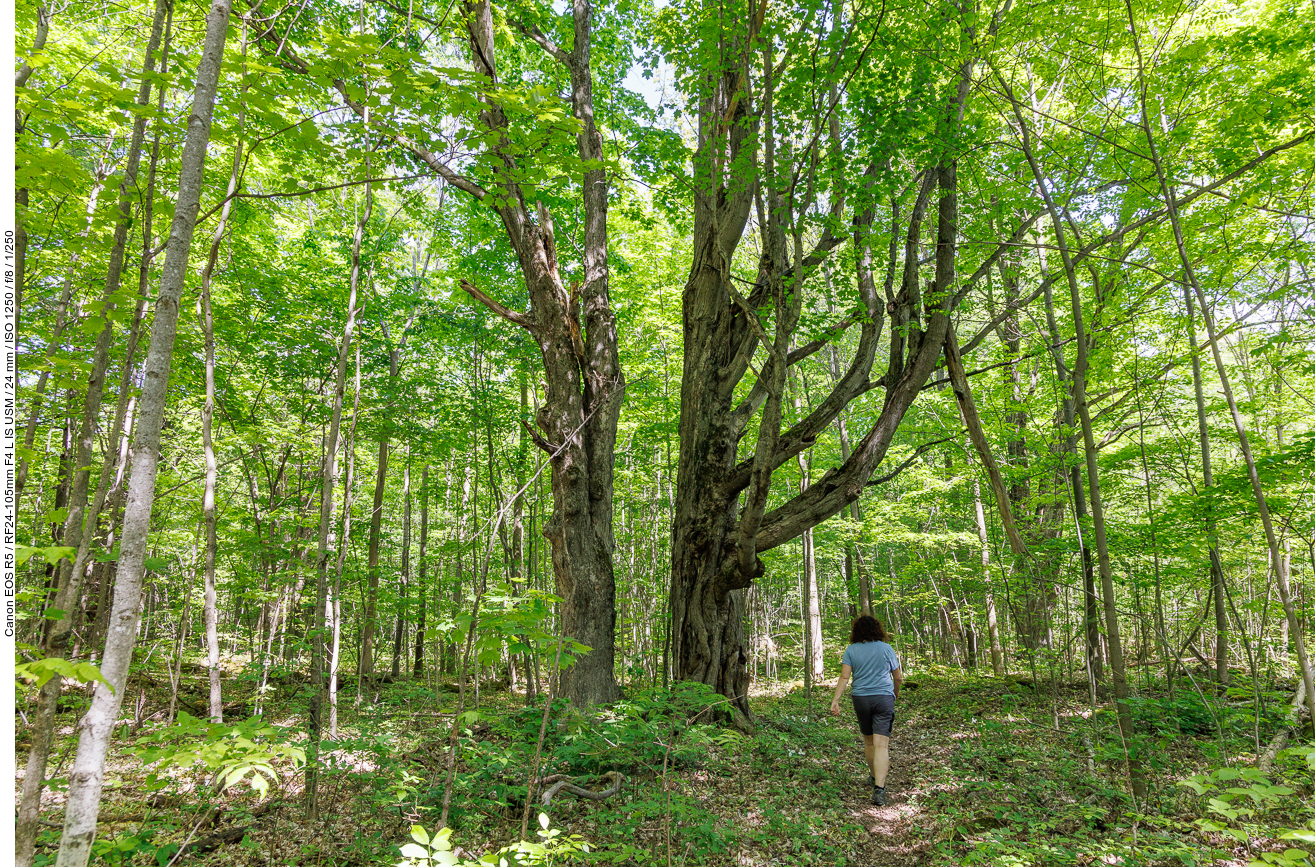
[(983, 771)]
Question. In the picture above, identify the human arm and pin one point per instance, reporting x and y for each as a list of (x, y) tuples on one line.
[(897, 676), (840, 688)]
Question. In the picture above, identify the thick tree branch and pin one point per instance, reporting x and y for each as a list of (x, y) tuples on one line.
[(539, 38), (968, 409), (498, 307)]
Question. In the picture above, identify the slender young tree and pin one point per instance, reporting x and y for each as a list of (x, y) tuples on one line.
[(328, 485), (87, 773), (80, 524), (1277, 561), (211, 598)]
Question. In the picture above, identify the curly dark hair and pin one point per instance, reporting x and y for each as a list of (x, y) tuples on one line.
[(866, 628)]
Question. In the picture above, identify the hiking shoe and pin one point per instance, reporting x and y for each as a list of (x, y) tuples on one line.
[(879, 796), (872, 781)]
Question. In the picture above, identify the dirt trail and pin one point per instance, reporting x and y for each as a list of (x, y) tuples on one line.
[(898, 832)]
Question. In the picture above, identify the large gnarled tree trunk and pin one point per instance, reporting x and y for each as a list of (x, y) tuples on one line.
[(574, 329), (721, 524)]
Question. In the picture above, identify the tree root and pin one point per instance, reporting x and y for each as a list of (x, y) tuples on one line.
[(563, 783)]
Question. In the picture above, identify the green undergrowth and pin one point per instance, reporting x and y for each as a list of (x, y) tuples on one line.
[(986, 771), (1040, 780)]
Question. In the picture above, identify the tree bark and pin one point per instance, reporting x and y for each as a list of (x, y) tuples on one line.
[(87, 774)]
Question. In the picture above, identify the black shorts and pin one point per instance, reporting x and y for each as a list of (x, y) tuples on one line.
[(876, 713)]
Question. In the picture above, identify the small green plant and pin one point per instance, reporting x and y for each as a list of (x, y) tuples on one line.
[(436, 850), (122, 849), (51, 555), (39, 671), (246, 752), (1239, 797)]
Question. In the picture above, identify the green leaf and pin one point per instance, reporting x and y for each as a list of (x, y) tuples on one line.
[(411, 850)]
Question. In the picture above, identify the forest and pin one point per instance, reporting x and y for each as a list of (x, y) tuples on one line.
[(462, 433)]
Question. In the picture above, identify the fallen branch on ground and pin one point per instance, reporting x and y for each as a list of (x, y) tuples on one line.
[(1265, 764), (561, 782)]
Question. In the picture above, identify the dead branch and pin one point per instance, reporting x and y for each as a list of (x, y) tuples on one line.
[(567, 785)]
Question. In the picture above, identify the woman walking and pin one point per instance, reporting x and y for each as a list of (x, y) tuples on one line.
[(877, 679)]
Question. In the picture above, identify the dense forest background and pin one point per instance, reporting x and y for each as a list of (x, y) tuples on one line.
[(391, 355)]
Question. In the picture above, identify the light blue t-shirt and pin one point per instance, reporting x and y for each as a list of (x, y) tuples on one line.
[(872, 662)]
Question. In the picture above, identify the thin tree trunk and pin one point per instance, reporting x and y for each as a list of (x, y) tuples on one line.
[(1207, 480), (992, 626), (855, 510), (1161, 636), (406, 570), (334, 612), (87, 774), (968, 411), (1080, 369), (79, 533), (211, 604), (1189, 273), (176, 671), (372, 567), (418, 669), (328, 483)]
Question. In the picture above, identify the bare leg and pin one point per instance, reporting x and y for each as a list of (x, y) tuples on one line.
[(870, 753), (878, 751)]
